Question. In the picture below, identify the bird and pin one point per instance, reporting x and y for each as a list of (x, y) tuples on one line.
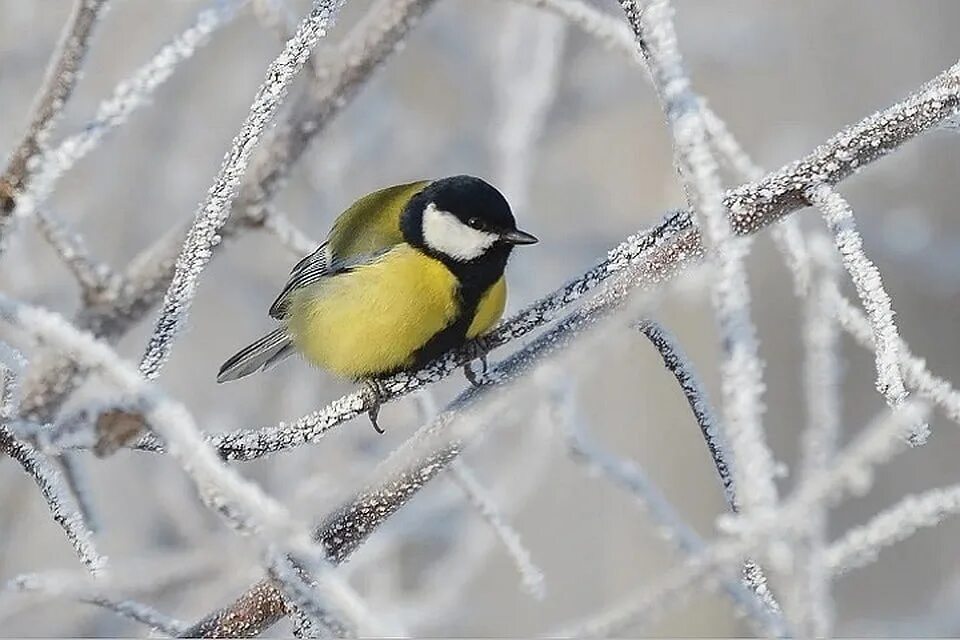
[(405, 274)]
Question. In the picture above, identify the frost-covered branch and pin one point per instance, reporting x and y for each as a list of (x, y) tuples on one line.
[(866, 278), (378, 35), (95, 278), (424, 456), (640, 261), (811, 603), (679, 365), (615, 35), (527, 72), (742, 368), (63, 507), (368, 45), (752, 596), (478, 496), (243, 504), (215, 209), (932, 388), (779, 193), (288, 234), (675, 240), (713, 436), (128, 96), (130, 609), (53, 486), (861, 545), (61, 77), (851, 473)]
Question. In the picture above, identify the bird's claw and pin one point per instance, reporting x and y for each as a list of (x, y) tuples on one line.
[(469, 373), (372, 398)]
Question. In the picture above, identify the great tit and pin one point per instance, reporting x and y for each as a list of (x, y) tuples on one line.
[(406, 273)]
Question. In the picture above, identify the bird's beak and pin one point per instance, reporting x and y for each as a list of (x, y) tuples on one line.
[(515, 236)]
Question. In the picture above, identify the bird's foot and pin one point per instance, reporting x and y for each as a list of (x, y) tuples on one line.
[(478, 353), (373, 393)]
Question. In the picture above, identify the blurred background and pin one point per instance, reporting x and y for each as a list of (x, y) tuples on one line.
[(785, 76)]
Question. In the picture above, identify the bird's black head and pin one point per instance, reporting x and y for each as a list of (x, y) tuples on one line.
[(462, 220)]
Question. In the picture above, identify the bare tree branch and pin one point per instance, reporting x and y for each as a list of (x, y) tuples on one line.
[(712, 431), (128, 96), (742, 368), (215, 209), (61, 77), (367, 46), (62, 506), (752, 596)]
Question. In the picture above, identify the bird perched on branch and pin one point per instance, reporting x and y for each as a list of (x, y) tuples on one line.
[(406, 274)]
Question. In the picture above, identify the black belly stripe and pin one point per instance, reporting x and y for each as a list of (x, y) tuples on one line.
[(475, 280), (453, 335)]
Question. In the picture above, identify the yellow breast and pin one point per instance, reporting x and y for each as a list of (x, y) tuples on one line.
[(373, 319), (490, 309)]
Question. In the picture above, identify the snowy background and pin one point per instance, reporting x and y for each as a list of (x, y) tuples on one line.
[(785, 76)]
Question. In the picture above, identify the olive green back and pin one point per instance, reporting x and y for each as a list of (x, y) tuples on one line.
[(372, 223)]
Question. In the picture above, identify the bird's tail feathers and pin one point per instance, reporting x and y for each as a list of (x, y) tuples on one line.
[(262, 354)]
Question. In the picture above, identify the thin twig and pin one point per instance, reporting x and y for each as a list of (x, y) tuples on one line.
[(242, 503), (874, 298), (62, 506), (861, 545), (712, 431), (742, 368), (530, 573), (879, 441), (399, 479), (94, 278), (128, 96), (753, 597), (215, 209), (61, 77), (918, 377), (812, 605)]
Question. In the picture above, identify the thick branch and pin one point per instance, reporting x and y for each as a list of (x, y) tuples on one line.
[(365, 49), (782, 192), (751, 207), (346, 529)]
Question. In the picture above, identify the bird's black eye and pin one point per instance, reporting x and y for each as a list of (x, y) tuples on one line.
[(475, 223)]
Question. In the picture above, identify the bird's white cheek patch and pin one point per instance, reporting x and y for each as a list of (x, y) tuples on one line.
[(443, 232)]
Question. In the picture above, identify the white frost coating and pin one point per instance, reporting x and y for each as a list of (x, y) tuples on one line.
[(852, 469), (926, 385), (876, 302), (220, 487), (756, 599), (787, 234), (289, 235), (128, 96), (60, 501), (325, 599), (54, 488), (12, 365), (862, 545), (93, 278), (214, 210), (811, 598), (527, 75), (529, 572), (851, 473), (742, 369)]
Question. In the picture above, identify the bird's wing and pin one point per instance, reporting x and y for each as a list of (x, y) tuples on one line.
[(372, 223), (362, 233), (309, 270)]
